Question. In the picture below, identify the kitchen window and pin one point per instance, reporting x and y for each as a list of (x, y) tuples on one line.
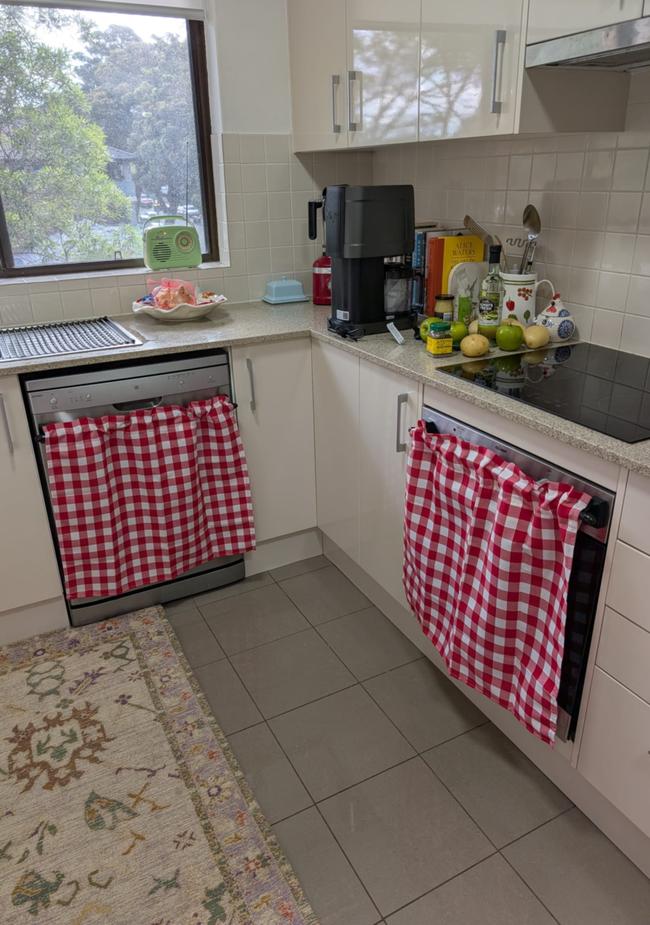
[(105, 123)]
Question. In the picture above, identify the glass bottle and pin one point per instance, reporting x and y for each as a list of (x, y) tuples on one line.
[(491, 296)]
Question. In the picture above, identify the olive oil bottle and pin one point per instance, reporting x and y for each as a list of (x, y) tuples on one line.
[(491, 296)]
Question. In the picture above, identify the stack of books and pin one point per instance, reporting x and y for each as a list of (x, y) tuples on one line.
[(436, 251)]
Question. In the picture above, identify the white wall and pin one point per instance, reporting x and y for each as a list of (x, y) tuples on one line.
[(253, 54)]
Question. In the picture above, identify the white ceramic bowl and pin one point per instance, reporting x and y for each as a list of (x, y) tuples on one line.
[(182, 312)]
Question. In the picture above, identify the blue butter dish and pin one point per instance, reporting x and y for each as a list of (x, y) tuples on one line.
[(284, 290)]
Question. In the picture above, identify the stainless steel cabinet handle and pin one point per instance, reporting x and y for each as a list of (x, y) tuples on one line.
[(251, 379), (5, 423), (400, 447), (499, 49), (336, 125), (352, 77)]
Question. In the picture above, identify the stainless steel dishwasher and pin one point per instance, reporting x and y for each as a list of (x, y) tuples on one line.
[(118, 388)]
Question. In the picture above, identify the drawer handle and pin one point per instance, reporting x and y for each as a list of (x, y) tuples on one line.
[(400, 447), (5, 424), (251, 379)]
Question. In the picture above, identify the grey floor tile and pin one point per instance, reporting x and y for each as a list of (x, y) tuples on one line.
[(424, 704), (404, 833), (579, 875), (332, 887), (368, 643), (199, 645), (498, 786), (489, 894), (253, 618), (274, 782), (290, 672), (239, 587), (182, 612), (339, 741), (324, 594), (227, 696), (299, 568)]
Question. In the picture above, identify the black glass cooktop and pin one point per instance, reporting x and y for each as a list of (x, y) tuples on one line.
[(603, 389)]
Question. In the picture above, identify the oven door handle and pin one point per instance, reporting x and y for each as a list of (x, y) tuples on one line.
[(596, 514)]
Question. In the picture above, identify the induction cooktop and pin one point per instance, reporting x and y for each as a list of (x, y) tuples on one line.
[(604, 389)]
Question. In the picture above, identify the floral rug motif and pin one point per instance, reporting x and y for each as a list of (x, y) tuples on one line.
[(120, 800)]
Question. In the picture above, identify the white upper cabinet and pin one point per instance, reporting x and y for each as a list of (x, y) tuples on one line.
[(549, 19), (28, 567), (469, 68), (383, 48), (319, 77)]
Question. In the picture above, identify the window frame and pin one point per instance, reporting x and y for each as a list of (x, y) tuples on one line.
[(203, 129)]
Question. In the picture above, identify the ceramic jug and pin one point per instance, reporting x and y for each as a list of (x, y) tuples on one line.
[(520, 290)]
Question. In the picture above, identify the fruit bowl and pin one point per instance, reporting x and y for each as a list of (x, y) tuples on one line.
[(182, 312)]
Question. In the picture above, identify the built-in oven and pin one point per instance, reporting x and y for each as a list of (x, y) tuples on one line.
[(117, 388), (588, 559)]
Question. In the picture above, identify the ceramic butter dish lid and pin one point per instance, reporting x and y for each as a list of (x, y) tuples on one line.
[(284, 290)]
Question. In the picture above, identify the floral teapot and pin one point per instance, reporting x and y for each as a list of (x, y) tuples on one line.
[(557, 320)]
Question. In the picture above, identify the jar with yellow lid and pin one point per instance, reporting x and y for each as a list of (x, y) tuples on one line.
[(439, 340)]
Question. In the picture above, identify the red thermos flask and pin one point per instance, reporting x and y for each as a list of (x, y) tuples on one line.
[(322, 280)]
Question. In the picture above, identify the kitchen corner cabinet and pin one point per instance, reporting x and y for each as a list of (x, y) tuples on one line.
[(469, 68), (550, 19), (362, 414), (336, 419), (273, 389), (28, 568), (389, 404), (317, 56), (354, 72)]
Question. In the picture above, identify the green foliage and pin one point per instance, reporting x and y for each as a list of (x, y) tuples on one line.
[(53, 157)]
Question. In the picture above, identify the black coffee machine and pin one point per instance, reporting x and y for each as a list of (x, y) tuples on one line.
[(363, 225)]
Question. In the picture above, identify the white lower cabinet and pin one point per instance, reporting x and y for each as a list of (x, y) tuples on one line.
[(389, 404), (28, 567), (273, 388), (336, 418), (615, 748)]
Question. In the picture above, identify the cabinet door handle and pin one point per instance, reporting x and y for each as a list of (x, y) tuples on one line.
[(5, 424), (336, 125), (251, 379), (355, 76), (497, 72), (402, 399)]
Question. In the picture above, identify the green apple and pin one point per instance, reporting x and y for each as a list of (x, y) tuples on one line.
[(509, 336), (458, 331), (424, 328)]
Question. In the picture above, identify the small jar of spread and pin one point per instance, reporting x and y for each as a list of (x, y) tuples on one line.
[(444, 307), (439, 340)]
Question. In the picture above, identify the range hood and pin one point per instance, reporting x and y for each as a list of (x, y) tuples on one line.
[(622, 46)]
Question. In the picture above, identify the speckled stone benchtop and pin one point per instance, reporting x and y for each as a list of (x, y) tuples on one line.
[(257, 322)]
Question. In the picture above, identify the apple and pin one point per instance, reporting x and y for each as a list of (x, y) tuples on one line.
[(509, 336), (458, 331)]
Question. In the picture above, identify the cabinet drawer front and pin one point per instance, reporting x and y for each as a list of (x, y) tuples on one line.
[(628, 592), (624, 652), (636, 513), (615, 744)]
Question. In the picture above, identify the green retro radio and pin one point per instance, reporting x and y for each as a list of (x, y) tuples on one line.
[(170, 243)]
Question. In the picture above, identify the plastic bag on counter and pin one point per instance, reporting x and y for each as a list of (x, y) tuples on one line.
[(168, 293)]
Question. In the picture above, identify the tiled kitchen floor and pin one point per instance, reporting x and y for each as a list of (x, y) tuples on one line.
[(392, 797)]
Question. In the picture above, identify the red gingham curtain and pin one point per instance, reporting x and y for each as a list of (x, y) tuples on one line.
[(487, 560), (143, 497)]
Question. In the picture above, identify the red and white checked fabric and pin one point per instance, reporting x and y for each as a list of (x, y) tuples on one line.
[(487, 561), (146, 496)]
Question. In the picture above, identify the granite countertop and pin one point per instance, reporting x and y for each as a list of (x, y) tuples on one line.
[(257, 322)]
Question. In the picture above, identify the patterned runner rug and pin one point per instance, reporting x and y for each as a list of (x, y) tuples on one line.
[(120, 800)]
